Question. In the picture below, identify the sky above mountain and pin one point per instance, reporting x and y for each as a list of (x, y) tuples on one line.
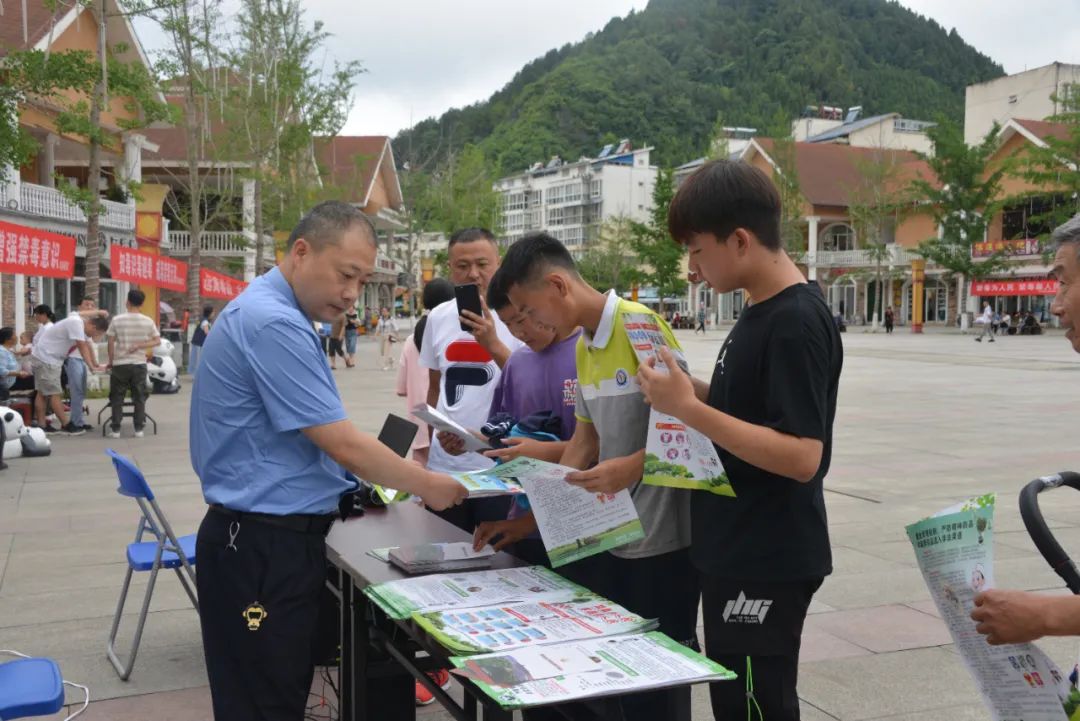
[(424, 57)]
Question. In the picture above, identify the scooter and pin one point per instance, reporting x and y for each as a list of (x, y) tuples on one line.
[(161, 373)]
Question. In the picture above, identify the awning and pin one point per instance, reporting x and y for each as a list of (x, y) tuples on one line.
[(1016, 286)]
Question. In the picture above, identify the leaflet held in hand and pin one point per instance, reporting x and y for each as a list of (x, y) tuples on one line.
[(675, 454), (441, 423)]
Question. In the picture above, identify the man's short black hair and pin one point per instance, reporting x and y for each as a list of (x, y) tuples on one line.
[(436, 292), (471, 235), (528, 258), (136, 298), (99, 323), (724, 195), (326, 222), (6, 334), (497, 297)]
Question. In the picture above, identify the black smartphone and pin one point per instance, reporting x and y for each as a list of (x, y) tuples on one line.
[(398, 434), (468, 298)]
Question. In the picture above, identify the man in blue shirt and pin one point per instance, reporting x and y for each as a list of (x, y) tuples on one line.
[(271, 444)]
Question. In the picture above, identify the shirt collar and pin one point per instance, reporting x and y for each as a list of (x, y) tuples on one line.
[(276, 280), (600, 338)]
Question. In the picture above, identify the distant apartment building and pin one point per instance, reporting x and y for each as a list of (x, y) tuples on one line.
[(889, 131), (1028, 95), (571, 200)]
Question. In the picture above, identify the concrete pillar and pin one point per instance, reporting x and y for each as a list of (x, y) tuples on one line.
[(132, 169), (9, 186), (918, 278), (811, 248), (20, 303)]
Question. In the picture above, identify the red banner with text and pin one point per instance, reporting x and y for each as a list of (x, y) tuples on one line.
[(137, 266), (29, 251), (216, 285), (1019, 286)]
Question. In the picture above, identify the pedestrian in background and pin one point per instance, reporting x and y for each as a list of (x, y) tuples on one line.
[(387, 330), (199, 337), (890, 318)]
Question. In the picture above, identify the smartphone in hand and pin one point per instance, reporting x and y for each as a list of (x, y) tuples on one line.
[(468, 298)]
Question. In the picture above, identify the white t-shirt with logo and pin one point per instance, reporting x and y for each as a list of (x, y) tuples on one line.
[(469, 377), (54, 343)]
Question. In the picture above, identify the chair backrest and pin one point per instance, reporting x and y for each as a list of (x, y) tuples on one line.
[(132, 481)]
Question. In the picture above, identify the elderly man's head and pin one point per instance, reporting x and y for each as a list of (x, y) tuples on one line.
[(1066, 305), (329, 257)]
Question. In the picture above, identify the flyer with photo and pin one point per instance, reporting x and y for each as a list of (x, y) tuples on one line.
[(675, 454), (518, 625), (469, 589), (574, 523), (593, 668), (955, 552)]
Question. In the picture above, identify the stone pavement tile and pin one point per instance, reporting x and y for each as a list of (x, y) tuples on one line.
[(86, 636), (821, 645), (850, 561), (192, 704), (46, 541), (28, 578), (869, 687), (967, 712), (884, 628), (1028, 574), (156, 669), (817, 606), (873, 589), (928, 607), (55, 606)]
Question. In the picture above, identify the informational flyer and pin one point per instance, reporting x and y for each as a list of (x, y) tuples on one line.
[(675, 454), (441, 423), (955, 552), (574, 523), (519, 625), (587, 669), (496, 481), (470, 589)]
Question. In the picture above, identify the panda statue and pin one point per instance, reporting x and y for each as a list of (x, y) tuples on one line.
[(20, 440)]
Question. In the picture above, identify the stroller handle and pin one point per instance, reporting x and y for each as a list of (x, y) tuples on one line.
[(1036, 525)]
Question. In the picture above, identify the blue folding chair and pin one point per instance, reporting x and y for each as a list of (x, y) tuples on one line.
[(33, 687), (166, 551)]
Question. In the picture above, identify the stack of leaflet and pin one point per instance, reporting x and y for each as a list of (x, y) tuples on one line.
[(590, 668), (440, 558)]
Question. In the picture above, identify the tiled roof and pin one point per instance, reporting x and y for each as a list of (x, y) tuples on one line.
[(350, 162)]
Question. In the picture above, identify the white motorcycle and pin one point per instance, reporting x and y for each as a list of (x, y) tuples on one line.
[(162, 375)]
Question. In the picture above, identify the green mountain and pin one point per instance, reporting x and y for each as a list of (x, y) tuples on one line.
[(662, 75)]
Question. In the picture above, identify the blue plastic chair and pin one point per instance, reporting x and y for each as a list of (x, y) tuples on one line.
[(33, 687), (165, 551)]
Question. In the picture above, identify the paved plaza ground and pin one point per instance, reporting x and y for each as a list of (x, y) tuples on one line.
[(923, 421)]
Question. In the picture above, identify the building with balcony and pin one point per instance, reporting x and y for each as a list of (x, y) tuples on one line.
[(1026, 95), (823, 124), (362, 170), (571, 200), (29, 195)]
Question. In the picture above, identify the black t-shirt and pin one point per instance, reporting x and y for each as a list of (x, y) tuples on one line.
[(779, 367)]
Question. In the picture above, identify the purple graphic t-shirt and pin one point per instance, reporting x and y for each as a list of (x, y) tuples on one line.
[(536, 382)]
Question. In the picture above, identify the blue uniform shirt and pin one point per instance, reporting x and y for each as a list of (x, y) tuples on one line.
[(262, 378)]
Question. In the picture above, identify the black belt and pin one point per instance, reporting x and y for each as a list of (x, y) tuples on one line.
[(299, 522)]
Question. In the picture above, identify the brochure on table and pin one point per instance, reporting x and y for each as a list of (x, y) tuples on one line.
[(675, 454), (441, 423), (471, 589), (440, 557), (1018, 682), (518, 625), (592, 668), (574, 523)]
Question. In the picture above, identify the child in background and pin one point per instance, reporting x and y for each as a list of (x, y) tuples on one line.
[(412, 378)]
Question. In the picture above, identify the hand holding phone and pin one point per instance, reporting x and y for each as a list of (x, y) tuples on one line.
[(468, 298)]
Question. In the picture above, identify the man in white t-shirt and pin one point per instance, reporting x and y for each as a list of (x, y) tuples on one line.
[(464, 368), (76, 368), (47, 360)]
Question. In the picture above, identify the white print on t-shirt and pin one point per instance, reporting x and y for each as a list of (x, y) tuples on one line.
[(723, 355), (743, 610)]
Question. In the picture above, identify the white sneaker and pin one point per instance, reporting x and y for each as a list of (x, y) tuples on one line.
[(112, 434), (139, 434)]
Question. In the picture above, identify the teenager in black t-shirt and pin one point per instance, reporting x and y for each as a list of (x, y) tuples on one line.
[(769, 409)]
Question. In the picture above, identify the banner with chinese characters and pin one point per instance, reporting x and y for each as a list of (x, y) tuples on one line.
[(170, 274), (1024, 246), (1017, 286), (29, 251), (216, 285)]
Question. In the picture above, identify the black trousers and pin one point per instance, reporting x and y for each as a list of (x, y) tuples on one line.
[(265, 673), (122, 379), (755, 630)]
